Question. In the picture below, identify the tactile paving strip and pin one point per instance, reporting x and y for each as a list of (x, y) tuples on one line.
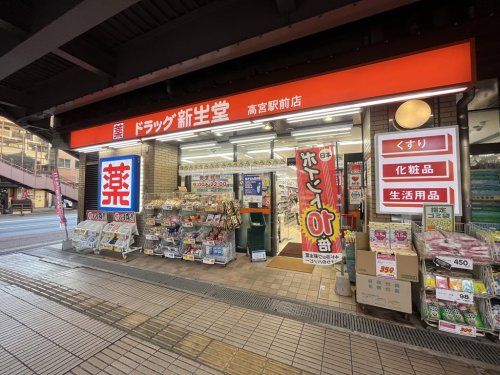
[(434, 341)]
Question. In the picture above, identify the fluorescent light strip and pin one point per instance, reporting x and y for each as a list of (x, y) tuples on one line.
[(269, 150), (235, 129), (312, 136), (181, 134), (224, 155), (227, 126), (322, 130), (329, 110), (192, 146), (252, 138), (315, 117), (350, 143), (179, 139)]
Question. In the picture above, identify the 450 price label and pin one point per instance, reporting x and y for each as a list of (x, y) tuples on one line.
[(463, 263)]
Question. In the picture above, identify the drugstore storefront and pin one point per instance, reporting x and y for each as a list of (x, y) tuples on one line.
[(243, 149)]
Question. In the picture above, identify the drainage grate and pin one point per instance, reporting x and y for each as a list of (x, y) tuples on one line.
[(451, 345)]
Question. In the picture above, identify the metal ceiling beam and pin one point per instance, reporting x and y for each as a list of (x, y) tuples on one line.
[(328, 20), (78, 20), (81, 62)]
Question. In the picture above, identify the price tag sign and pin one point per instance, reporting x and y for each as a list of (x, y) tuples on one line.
[(169, 254), (455, 296), (458, 329), (167, 207), (438, 216), (188, 224), (188, 208), (148, 251), (209, 243), (189, 257), (152, 237), (463, 263), (170, 240), (208, 261), (386, 265)]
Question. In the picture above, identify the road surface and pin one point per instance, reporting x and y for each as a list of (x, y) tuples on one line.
[(30, 230)]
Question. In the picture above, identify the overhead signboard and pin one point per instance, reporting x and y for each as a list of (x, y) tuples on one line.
[(119, 183), (417, 167), (441, 67)]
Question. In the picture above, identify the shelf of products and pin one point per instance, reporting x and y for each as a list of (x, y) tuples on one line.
[(458, 279), (193, 227), (87, 233), (118, 236)]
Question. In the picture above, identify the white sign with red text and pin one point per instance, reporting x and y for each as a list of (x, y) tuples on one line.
[(458, 329), (415, 168)]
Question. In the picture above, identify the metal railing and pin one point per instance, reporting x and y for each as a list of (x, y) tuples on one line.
[(34, 171)]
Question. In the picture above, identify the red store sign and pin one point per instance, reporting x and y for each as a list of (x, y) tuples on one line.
[(437, 68), (417, 167)]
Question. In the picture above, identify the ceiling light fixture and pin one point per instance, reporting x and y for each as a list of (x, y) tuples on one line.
[(261, 151), (250, 139), (193, 146), (219, 132), (316, 117), (228, 156), (344, 143), (321, 130), (313, 136)]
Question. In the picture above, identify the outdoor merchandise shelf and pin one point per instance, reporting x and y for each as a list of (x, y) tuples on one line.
[(118, 236), (87, 234), (459, 284), (192, 227)]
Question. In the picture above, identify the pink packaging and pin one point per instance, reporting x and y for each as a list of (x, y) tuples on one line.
[(379, 236)]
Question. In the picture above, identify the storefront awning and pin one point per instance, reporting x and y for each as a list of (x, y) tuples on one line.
[(440, 71)]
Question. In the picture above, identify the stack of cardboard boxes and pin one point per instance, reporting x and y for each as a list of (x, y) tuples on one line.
[(386, 265)]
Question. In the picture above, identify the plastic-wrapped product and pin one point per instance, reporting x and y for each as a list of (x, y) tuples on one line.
[(379, 236)]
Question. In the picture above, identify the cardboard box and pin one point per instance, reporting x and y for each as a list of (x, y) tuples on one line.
[(366, 260), (382, 292)]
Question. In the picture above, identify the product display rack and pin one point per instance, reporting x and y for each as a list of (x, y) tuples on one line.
[(87, 234), (457, 282), (197, 227), (118, 236)]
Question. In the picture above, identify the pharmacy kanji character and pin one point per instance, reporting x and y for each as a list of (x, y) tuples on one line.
[(433, 195), (201, 115), (324, 245), (400, 170), (116, 188), (184, 118), (284, 103), (414, 169), (427, 169), (219, 111), (272, 105), (252, 109), (297, 101), (394, 194), (419, 195)]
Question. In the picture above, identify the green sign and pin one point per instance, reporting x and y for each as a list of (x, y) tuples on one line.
[(438, 216)]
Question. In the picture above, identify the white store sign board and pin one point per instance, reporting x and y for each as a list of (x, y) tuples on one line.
[(417, 167)]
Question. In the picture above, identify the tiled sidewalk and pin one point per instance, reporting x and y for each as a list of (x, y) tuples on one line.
[(174, 332)]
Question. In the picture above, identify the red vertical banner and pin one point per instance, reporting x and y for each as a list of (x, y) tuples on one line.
[(57, 193), (319, 216)]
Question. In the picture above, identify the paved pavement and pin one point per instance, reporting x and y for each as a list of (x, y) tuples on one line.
[(20, 231), (58, 317)]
